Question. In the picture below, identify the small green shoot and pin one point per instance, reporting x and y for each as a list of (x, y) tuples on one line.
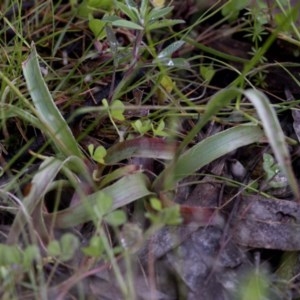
[(207, 72), (142, 127), (98, 28), (116, 218), (275, 179), (254, 286), (95, 247), (65, 248), (103, 205), (165, 216), (97, 154), (115, 112)]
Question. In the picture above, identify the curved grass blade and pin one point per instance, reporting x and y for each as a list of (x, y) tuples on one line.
[(141, 147), (275, 135), (218, 101), (10, 111), (126, 190), (118, 173), (205, 152), (49, 114), (40, 183)]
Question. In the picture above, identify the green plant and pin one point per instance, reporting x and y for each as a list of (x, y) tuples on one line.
[(147, 130), (256, 18)]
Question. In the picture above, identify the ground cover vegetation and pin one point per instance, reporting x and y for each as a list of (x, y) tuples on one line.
[(149, 149)]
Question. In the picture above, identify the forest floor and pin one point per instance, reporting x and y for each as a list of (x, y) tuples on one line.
[(150, 150)]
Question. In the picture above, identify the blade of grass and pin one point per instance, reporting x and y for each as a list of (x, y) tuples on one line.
[(40, 184), (274, 134), (218, 101), (141, 147), (269, 121), (10, 111), (205, 152), (126, 190), (49, 114)]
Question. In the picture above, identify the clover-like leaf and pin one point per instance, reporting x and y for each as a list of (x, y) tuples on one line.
[(116, 218), (98, 28), (117, 110), (99, 154)]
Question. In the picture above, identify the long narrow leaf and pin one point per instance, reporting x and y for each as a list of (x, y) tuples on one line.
[(218, 101), (39, 186), (164, 23), (275, 135), (58, 129), (128, 189), (205, 152), (40, 183), (141, 147)]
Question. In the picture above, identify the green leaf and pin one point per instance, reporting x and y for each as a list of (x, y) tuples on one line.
[(83, 10), (141, 147), (144, 8), (116, 218), (98, 28), (53, 248), (141, 126), (117, 110), (30, 254), (95, 247), (269, 166), (205, 152), (157, 13), (99, 154), (218, 101), (110, 18), (256, 285), (105, 5), (207, 72), (113, 43), (127, 24), (91, 149), (131, 4), (164, 23), (118, 173), (103, 204), (171, 215), (69, 244), (57, 127), (129, 10), (233, 7), (169, 50), (159, 131), (11, 110), (126, 190), (10, 255), (178, 62), (167, 216), (275, 135), (155, 203), (274, 177), (40, 183), (105, 103)]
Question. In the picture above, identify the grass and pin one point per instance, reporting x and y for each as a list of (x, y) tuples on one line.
[(105, 111)]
